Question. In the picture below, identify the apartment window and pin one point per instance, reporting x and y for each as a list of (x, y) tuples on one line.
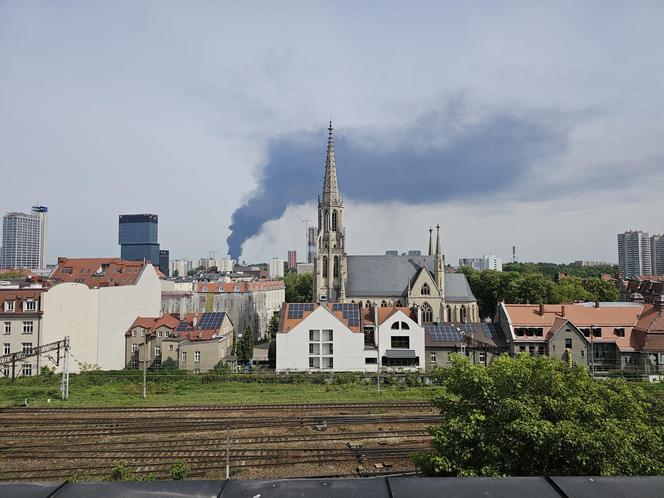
[(133, 333), (30, 305), (328, 349), (26, 369), (134, 363), (519, 332), (482, 357), (197, 356), (328, 335), (585, 332), (9, 305), (531, 350), (433, 357), (597, 332), (314, 335), (8, 328), (314, 349), (183, 357), (583, 353), (314, 362), (370, 361), (522, 349), (619, 332), (158, 333), (28, 327), (134, 348), (400, 341), (170, 347), (142, 332), (26, 347), (157, 350), (7, 348), (568, 343)]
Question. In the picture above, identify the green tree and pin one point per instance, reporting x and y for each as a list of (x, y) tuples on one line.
[(299, 287), (601, 289), (272, 353), (247, 352), (273, 326), (169, 364), (221, 367), (572, 289), (534, 415)]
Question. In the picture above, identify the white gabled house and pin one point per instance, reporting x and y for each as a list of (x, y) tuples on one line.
[(344, 337)]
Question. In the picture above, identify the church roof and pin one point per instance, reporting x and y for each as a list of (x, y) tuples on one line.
[(390, 276)]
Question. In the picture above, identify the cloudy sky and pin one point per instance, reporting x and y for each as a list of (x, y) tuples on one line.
[(509, 123)]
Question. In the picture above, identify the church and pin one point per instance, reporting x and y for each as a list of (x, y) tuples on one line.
[(387, 280)]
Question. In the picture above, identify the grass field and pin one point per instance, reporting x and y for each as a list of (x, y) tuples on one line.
[(178, 392)]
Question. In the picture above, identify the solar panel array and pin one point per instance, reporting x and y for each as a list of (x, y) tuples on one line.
[(350, 311), (451, 332), (182, 326), (296, 310), (443, 333), (210, 321)]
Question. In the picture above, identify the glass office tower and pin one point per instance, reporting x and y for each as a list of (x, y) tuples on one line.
[(138, 237)]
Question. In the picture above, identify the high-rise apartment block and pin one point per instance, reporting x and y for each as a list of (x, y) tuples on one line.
[(657, 254), (486, 262), (138, 237), (276, 268), (292, 259), (24, 239), (634, 253)]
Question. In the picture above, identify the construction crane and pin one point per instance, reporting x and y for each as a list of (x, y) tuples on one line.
[(57, 346)]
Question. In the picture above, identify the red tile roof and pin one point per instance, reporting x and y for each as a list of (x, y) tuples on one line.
[(98, 272), (152, 324)]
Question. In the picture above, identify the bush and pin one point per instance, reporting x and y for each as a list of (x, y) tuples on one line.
[(179, 470), (121, 473), (169, 364)]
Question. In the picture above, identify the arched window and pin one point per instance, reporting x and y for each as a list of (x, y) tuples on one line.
[(449, 313), (326, 220), (425, 290), (463, 314), (383, 303), (395, 326), (324, 266), (404, 326), (368, 304), (335, 270), (427, 313), (334, 220)]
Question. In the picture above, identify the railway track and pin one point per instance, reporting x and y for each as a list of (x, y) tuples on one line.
[(224, 408)]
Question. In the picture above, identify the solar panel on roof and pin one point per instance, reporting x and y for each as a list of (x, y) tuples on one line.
[(443, 333), (350, 311), (210, 321), (296, 310)]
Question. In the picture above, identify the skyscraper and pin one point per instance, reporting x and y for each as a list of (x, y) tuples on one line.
[(164, 263), (24, 239), (292, 259), (634, 253), (312, 235), (138, 237), (657, 254)]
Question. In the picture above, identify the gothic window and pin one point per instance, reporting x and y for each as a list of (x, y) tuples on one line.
[(383, 304), (326, 220), (425, 290), (463, 314), (336, 267), (427, 313), (449, 313), (368, 304), (324, 266), (334, 220)]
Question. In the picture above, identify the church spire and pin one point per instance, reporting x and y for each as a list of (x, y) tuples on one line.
[(330, 185), (438, 240), (430, 241)]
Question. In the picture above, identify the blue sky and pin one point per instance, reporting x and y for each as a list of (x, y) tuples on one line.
[(515, 124)]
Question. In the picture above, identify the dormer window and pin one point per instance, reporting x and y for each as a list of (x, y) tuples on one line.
[(30, 305), (9, 306)]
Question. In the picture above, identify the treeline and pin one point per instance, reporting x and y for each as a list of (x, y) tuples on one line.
[(552, 270), (299, 287), (521, 287)]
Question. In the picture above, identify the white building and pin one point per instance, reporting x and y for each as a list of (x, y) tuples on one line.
[(24, 239), (94, 302), (486, 262), (634, 254), (342, 337), (181, 266), (276, 268), (225, 265)]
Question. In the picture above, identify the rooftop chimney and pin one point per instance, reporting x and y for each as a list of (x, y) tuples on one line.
[(562, 311), (541, 309), (596, 304)]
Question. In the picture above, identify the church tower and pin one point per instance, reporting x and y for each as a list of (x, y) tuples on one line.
[(330, 269), (440, 265)]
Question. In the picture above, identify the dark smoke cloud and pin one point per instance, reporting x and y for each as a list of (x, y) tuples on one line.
[(441, 156)]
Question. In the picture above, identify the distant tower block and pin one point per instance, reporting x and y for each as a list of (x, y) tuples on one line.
[(513, 254)]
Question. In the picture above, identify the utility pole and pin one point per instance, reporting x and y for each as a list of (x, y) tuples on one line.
[(64, 384), (146, 354)]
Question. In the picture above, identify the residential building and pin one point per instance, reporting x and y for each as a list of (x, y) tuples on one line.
[(164, 263), (634, 254), (276, 268), (583, 263), (603, 336), (94, 301), (225, 265), (24, 239), (21, 324), (407, 280), (138, 237), (312, 236), (641, 289), (342, 337), (248, 304), (657, 254), (180, 267), (480, 342), (486, 262), (292, 259), (305, 268), (197, 342)]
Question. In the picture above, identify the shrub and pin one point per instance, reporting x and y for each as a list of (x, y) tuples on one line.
[(179, 470), (121, 473)]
